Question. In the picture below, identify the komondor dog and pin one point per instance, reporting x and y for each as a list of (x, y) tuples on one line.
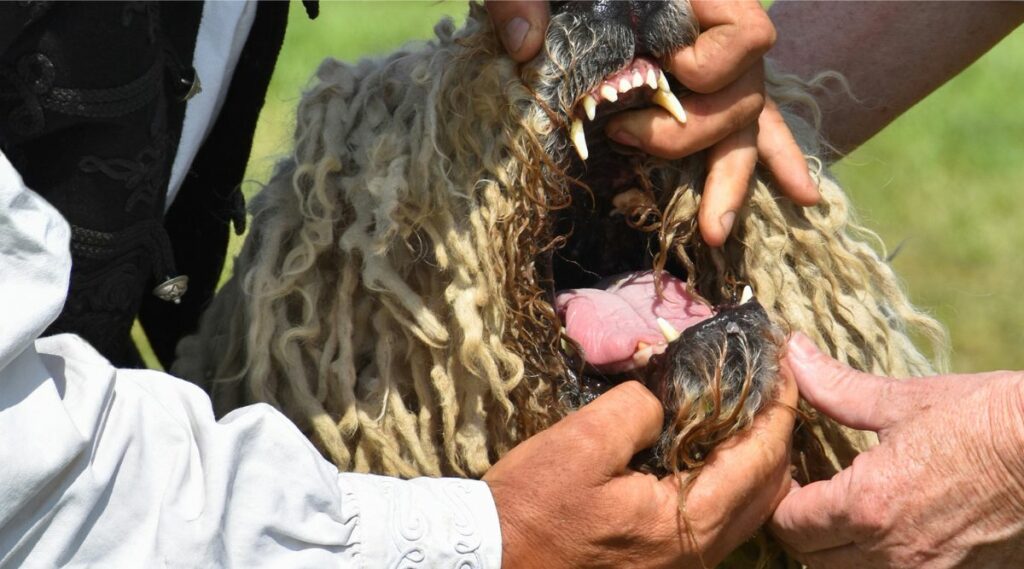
[(455, 256)]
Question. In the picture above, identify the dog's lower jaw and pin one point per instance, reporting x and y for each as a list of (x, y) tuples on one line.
[(712, 380)]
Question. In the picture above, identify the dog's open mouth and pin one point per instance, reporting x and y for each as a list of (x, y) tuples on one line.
[(711, 366), (619, 327)]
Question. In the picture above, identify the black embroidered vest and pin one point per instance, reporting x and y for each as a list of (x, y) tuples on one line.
[(92, 99)]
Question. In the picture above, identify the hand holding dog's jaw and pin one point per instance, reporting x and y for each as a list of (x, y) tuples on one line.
[(944, 488), (728, 114), (566, 497)]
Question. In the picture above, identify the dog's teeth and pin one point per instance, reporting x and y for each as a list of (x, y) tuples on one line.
[(579, 140), (608, 93), (624, 85), (668, 101), (747, 295), (669, 331), (652, 79), (589, 106), (638, 80), (663, 81)]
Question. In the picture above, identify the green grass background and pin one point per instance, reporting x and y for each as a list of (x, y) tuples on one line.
[(946, 180)]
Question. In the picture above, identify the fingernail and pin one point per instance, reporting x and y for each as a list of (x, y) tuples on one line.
[(726, 221), (623, 136), (801, 347), (514, 34)]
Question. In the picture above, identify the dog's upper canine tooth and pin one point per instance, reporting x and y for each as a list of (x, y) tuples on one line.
[(609, 93), (589, 106), (668, 101), (663, 81), (579, 140), (668, 330)]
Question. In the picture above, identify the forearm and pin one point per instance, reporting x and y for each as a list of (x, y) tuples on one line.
[(892, 53)]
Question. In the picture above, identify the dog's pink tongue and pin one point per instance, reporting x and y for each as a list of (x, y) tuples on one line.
[(608, 324)]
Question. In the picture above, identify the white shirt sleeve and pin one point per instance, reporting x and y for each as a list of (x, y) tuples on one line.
[(128, 468)]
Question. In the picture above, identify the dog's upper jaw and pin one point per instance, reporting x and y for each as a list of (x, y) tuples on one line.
[(604, 57)]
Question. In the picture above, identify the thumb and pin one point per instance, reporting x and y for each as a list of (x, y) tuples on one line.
[(620, 423), (521, 26), (855, 399)]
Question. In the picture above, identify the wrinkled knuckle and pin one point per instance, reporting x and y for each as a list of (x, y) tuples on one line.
[(867, 519), (587, 442), (755, 104), (891, 393), (745, 113), (761, 34), (870, 515)]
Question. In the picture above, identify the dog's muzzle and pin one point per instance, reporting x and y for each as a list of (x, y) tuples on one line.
[(711, 366)]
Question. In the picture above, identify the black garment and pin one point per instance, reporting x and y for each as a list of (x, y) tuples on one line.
[(92, 100), (210, 197)]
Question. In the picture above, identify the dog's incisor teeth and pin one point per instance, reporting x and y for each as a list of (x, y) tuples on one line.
[(589, 106), (668, 101), (579, 140), (624, 85), (638, 80), (667, 330), (652, 79), (608, 93)]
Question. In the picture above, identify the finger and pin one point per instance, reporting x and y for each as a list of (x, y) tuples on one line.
[(744, 478), (624, 420), (521, 24), (779, 151), (710, 118), (853, 398), (812, 518), (735, 35), (731, 164)]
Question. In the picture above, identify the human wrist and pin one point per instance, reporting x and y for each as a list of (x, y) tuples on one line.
[(515, 551)]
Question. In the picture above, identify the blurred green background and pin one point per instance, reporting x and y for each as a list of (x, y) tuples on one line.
[(946, 180)]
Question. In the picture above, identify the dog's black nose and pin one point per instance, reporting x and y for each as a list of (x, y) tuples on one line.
[(633, 13)]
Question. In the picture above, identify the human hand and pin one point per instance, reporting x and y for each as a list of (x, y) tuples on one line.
[(566, 497), (945, 488), (521, 25), (728, 115)]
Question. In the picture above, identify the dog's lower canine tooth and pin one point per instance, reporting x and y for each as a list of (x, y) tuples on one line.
[(589, 106), (668, 101), (608, 93), (579, 140), (746, 295), (668, 330)]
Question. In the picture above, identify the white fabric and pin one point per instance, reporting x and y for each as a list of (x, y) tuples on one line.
[(102, 467), (223, 29)]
